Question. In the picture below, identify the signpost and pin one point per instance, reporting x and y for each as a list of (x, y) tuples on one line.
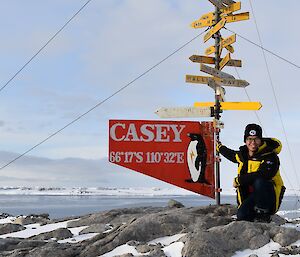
[(183, 153)]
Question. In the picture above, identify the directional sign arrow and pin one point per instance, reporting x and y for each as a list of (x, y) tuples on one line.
[(197, 79), (215, 29), (237, 17), (242, 106), (211, 60), (228, 41), (220, 91), (201, 23), (224, 61), (217, 3), (185, 112), (216, 73), (232, 82), (232, 8), (210, 15), (227, 1)]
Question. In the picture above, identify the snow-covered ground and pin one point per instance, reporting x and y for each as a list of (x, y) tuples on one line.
[(171, 246), (143, 191)]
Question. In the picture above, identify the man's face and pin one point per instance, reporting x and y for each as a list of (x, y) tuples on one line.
[(252, 143)]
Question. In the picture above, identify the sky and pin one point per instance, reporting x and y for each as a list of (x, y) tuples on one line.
[(107, 45)]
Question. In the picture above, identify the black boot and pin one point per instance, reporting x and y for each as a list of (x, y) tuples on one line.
[(262, 215)]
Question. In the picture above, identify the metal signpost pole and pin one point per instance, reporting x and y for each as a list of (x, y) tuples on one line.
[(217, 37)]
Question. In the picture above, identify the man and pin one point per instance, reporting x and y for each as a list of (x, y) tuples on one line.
[(259, 185)]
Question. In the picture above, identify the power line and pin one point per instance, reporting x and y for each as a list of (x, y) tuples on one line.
[(274, 94), (44, 46), (260, 46), (102, 102)]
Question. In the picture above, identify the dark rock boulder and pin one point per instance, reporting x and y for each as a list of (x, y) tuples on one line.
[(58, 234), (10, 228)]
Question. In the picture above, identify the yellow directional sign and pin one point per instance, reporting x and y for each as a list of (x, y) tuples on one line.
[(242, 106), (237, 17), (228, 41), (215, 29), (202, 59), (202, 23), (197, 79), (210, 15), (211, 60), (224, 61), (210, 50), (231, 8)]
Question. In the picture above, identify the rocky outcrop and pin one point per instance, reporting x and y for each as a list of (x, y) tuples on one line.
[(206, 231), (10, 228)]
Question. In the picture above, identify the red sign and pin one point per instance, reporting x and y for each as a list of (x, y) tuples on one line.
[(177, 152)]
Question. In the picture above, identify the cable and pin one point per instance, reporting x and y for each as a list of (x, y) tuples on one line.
[(44, 46), (103, 101), (274, 94), (276, 55)]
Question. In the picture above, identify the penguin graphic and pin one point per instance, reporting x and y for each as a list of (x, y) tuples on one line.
[(196, 159)]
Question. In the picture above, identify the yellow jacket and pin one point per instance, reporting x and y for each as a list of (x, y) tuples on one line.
[(264, 163)]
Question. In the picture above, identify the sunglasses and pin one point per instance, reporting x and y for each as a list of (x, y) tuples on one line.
[(256, 140)]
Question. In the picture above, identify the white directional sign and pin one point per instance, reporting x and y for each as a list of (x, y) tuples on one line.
[(232, 82), (214, 72), (185, 112)]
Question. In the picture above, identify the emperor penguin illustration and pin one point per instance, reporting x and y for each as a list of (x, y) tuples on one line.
[(196, 159)]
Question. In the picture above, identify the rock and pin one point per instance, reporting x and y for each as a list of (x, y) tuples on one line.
[(146, 248), (253, 255), (259, 241), (59, 234), (19, 220), (95, 228), (175, 204), (284, 236), (278, 220), (10, 228), (4, 215)]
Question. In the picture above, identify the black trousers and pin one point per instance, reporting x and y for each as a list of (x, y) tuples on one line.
[(262, 198)]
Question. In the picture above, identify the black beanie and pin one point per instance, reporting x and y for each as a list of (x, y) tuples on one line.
[(252, 130)]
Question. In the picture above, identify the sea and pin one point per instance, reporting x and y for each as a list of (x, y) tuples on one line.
[(59, 206)]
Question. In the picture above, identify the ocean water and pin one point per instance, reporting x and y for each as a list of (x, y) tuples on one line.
[(65, 206)]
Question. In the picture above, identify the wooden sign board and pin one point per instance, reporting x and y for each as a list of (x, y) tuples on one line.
[(197, 79), (228, 41), (217, 3), (214, 72), (202, 59), (210, 16), (210, 50), (202, 23), (232, 82), (237, 17), (185, 112), (231, 8), (228, 2), (211, 60), (215, 29), (224, 61), (177, 152)]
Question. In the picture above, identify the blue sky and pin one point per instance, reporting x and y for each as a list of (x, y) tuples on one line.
[(106, 46)]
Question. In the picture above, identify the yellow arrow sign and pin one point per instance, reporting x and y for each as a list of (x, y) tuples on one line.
[(210, 50), (202, 23), (231, 8), (242, 106), (210, 15), (202, 59), (211, 60), (224, 61), (237, 17), (215, 29), (228, 41)]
